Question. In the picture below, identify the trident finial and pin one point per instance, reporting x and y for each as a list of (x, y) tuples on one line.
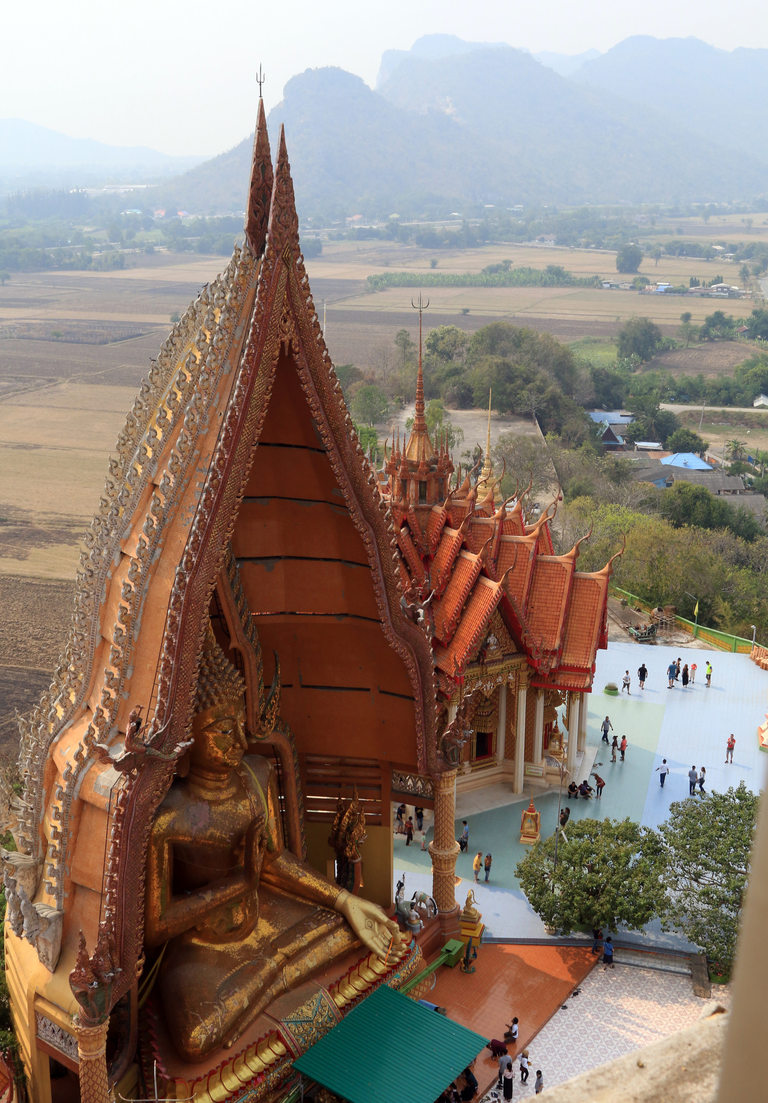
[(419, 423), (260, 80)]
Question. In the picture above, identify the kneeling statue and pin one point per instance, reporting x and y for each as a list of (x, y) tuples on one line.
[(243, 918)]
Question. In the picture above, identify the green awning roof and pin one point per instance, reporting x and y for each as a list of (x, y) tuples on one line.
[(390, 1047)]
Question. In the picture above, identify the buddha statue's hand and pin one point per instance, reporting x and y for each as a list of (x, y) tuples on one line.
[(377, 933)]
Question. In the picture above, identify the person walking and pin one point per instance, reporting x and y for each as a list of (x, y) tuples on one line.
[(605, 727), (677, 668), (487, 866), (708, 673), (693, 777), (614, 747), (524, 1066), (464, 837), (702, 779), (538, 1086), (662, 771), (625, 683), (419, 814), (409, 831), (684, 676), (508, 1082), (729, 748), (671, 672), (694, 668), (623, 746), (505, 1062), (608, 953), (477, 865), (597, 939), (642, 675), (599, 786)]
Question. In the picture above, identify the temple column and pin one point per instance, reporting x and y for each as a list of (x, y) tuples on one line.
[(501, 727), (92, 1053), (444, 848), (538, 728), (573, 731), (582, 744), (519, 763)]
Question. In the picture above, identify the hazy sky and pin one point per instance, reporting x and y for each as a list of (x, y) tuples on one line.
[(180, 76)]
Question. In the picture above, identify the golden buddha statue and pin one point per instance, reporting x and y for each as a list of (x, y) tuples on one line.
[(243, 918)]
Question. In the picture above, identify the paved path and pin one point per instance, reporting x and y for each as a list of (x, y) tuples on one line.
[(617, 1010)]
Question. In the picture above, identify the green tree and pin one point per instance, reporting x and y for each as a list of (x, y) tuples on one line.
[(707, 848), (4, 277), (628, 258), (368, 403), (639, 337), (609, 873), (735, 450), (406, 347), (685, 440), (686, 327), (369, 441)]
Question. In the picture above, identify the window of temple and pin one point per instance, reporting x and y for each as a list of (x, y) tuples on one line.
[(422, 492)]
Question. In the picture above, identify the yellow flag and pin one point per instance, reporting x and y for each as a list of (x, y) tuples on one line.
[(696, 611)]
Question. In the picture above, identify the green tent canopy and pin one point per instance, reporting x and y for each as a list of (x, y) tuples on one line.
[(390, 1047)]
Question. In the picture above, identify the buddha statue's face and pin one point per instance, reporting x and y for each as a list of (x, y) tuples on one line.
[(219, 734)]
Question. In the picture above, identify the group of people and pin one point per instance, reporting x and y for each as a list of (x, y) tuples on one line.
[(463, 1087), (677, 671), (607, 946), (479, 863), (506, 1079), (617, 747), (405, 826)]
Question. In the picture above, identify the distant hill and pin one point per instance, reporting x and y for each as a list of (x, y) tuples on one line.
[(565, 64), (32, 155), (712, 93), (466, 128)]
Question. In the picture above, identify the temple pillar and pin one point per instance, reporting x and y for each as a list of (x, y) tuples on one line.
[(444, 848), (582, 742), (92, 1053), (538, 728), (519, 762), (573, 731), (501, 727)]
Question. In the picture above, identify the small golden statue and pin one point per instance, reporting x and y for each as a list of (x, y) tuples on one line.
[(242, 918), (470, 913), (346, 838)]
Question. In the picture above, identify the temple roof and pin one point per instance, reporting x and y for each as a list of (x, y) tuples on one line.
[(473, 559)]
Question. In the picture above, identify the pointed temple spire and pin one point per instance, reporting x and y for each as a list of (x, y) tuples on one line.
[(419, 447), (260, 191), (283, 221), (486, 483)]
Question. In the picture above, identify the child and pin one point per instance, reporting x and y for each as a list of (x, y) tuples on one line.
[(409, 831), (625, 683), (608, 953), (538, 1087)]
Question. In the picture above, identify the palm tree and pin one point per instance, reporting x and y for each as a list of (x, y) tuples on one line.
[(735, 450)]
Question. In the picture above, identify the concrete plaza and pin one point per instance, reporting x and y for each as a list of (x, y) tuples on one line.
[(685, 726)]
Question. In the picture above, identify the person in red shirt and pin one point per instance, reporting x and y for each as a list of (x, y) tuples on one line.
[(729, 748), (599, 785)]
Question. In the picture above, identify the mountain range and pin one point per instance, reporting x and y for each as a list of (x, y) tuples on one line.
[(455, 126)]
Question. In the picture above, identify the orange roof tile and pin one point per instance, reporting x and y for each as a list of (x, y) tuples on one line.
[(479, 531), (410, 554), (472, 627), (447, 550), (447, 608), (547, 602), (435, 525), (515, 560), (586, 611)]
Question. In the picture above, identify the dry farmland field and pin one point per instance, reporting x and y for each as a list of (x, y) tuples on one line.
[(74, 347)]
